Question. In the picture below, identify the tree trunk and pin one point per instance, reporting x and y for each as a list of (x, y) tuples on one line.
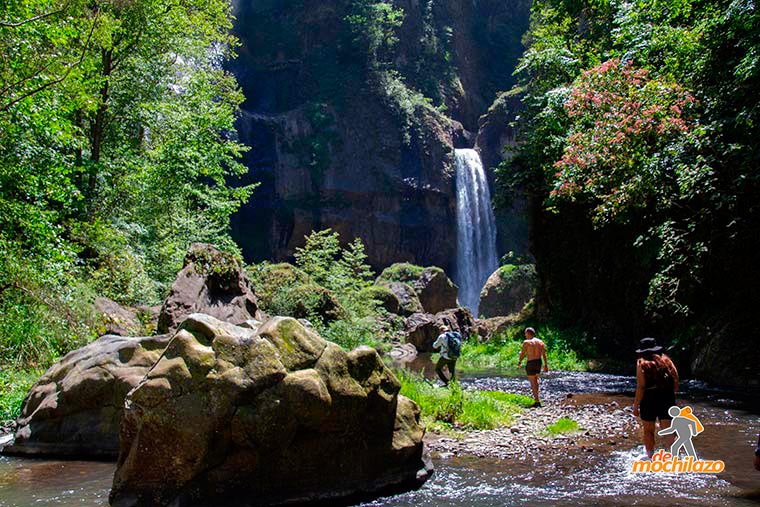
[(98, 129)]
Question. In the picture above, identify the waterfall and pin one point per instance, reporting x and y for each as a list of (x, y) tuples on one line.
[(476, 229)]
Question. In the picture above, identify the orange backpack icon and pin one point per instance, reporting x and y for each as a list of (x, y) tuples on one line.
[(687, 413)]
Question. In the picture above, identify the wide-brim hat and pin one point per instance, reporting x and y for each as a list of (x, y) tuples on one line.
[(648, 345)]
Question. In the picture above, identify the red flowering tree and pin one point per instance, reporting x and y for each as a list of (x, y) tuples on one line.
[(619, 152)]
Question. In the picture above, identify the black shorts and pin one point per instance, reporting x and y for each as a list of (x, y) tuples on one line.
[(533, 367), (655, 404)]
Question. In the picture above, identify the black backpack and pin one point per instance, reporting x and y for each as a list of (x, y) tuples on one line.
[(454, 341)]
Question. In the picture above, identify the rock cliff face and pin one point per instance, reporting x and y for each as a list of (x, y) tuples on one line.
[(364, 147)]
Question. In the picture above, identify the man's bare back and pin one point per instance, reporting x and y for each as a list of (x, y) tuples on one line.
[(533, 349)]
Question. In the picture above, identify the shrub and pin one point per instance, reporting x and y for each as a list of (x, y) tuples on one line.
[(401, 272)]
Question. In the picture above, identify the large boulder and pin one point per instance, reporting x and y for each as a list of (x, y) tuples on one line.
[(385, 297), (118, 319), (75, 408), (408, 300), (211, 282), (491, 327), (436, 292), (420, 289), (508, 290), (231, 416), (422, 329)]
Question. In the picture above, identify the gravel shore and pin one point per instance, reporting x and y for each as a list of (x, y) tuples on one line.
[(606, 423)]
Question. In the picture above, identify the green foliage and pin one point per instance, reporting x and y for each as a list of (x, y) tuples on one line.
[(343, 271), (563, 426), (270, 279), (373, 25), (117, 151), (401, 272), (14, 384), (453, 407), (349, 334), (658, 142), (503, 351), (618, 154)]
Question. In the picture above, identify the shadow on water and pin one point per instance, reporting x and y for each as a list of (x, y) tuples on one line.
[(574, 478)]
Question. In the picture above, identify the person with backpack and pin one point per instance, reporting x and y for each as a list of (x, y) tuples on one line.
[(450, 343), (656, 387)]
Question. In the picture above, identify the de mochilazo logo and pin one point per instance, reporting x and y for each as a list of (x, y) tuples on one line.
[(685, 426)]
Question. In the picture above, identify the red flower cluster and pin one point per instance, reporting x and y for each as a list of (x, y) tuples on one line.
[(621, 118)]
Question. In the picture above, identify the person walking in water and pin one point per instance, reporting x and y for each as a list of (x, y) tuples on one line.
[(685, 425), (656, 387), (450, 343), (534, 349)]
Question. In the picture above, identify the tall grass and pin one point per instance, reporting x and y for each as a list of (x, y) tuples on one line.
[(447, 408), (503, 351)]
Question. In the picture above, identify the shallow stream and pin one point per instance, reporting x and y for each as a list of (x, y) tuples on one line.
[(574, 478)]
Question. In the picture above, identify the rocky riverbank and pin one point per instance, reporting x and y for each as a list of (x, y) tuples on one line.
[(605, 423)]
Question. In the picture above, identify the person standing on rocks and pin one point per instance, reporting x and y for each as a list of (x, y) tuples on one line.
[(535, 350), (757, 454), (656, 387), (450, 344)]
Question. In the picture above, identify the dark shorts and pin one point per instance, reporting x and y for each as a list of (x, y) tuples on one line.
[(655, 404), (533, 367)]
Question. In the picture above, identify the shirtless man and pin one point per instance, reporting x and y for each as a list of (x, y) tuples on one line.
[(534, 349)]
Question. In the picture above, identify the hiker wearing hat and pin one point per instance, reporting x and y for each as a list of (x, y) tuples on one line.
[(656, 387)]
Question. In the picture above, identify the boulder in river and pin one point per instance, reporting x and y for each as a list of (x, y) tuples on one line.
[(75, 408), (232, 416), (211, 282)]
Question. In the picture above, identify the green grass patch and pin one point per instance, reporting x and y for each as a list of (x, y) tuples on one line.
[(449, 408), (14, 384), (503, 351), (562, 426)]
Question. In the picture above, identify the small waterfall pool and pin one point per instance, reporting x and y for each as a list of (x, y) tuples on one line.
[(476, 229)]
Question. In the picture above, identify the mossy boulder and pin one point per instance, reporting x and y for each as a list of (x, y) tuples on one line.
[(508, 290), (74, 410), (271, 279), (435, 290), (429, 286), (385, 296), (283, 289), (403, 272), (232, 416), (409, 301)]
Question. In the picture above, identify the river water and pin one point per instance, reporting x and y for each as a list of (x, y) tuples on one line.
[(575, 478)]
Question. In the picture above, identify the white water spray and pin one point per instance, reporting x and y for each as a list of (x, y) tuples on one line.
[(476, 229)]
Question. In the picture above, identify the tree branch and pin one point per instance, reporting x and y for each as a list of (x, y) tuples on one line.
[(54, 82), (11, 24)]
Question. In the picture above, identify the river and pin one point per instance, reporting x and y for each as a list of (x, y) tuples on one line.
[(572, 479)]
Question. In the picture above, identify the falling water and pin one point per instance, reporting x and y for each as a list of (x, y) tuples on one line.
[(476, 229)]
